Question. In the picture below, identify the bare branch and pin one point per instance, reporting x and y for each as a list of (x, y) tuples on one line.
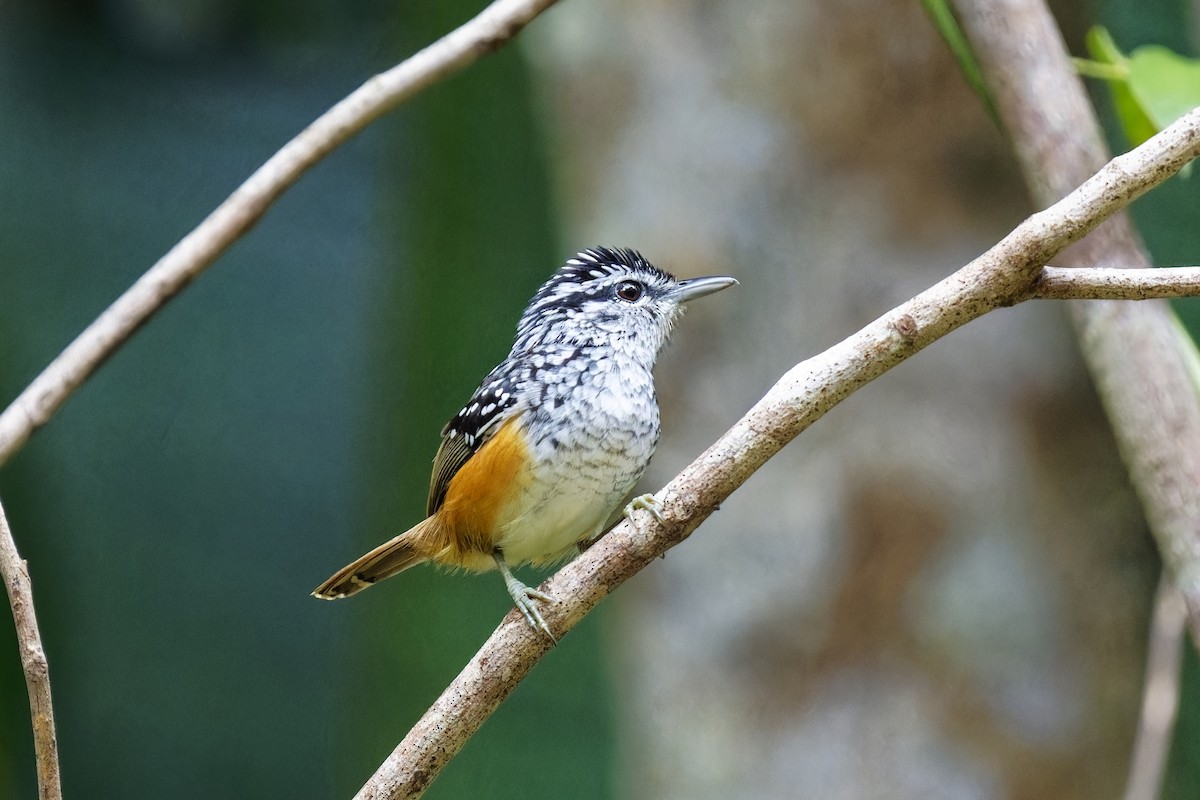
[(1100, 283), (1139, 358), (33, 663), (1160, 697), (34, 407), (1002, 276)]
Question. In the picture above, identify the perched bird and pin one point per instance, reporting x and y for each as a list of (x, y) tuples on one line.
[(555, 437)]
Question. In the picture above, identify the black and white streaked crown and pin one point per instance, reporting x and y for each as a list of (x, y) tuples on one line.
[(587, 276)]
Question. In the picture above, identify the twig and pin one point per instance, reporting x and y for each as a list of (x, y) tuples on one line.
[(1160, 697), (33, 663), (494, 26), (1002, 276), (1100, 283), (1140, 360)]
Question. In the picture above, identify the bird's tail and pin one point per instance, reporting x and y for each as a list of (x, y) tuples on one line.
[(406, 550)]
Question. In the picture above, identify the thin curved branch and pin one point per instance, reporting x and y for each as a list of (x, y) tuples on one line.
[(1160, 695), (34, 407), (1002, 276), (33, 663)]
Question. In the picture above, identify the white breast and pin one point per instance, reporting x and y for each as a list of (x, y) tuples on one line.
[(591, 439)]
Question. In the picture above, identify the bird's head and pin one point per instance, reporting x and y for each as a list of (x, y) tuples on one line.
[(613, 297)]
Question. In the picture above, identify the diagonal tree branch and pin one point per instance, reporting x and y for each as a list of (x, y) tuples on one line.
[(1139, 358), (1003, 276), (33, 663), (34, 407)]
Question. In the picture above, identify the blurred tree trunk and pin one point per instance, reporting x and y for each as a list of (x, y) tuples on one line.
[(900, 604)]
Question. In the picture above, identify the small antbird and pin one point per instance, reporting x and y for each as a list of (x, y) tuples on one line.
[(555, 437)]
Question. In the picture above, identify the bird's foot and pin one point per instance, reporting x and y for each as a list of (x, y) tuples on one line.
[(643, 502), (524, 596)]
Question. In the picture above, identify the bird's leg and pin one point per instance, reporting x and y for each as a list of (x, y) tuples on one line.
[(644, 502), (524, 596)]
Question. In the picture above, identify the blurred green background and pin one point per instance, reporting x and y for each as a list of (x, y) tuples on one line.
[(280, 416)]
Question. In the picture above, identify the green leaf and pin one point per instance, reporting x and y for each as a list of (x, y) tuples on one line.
[(1134, 120), (1102, 47), (945, 23), (1166, 84)]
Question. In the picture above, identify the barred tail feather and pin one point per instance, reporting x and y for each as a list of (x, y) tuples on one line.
[(406, 550)]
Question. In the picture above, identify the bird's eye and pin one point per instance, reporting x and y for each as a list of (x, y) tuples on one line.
[(630, 291)]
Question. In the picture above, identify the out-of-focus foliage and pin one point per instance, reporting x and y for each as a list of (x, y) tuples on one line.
[(278, 417), (1165, 217), (947, 26), (1112, 64), (1151, 87)]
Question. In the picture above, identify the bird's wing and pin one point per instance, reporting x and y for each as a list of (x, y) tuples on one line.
[(493, 403)]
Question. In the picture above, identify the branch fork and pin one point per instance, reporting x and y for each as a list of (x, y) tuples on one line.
[(1009, 273)]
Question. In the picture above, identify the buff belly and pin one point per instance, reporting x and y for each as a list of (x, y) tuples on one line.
[(553, 518)]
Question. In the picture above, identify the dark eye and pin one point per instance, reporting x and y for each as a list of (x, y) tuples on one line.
[(630, 291)]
